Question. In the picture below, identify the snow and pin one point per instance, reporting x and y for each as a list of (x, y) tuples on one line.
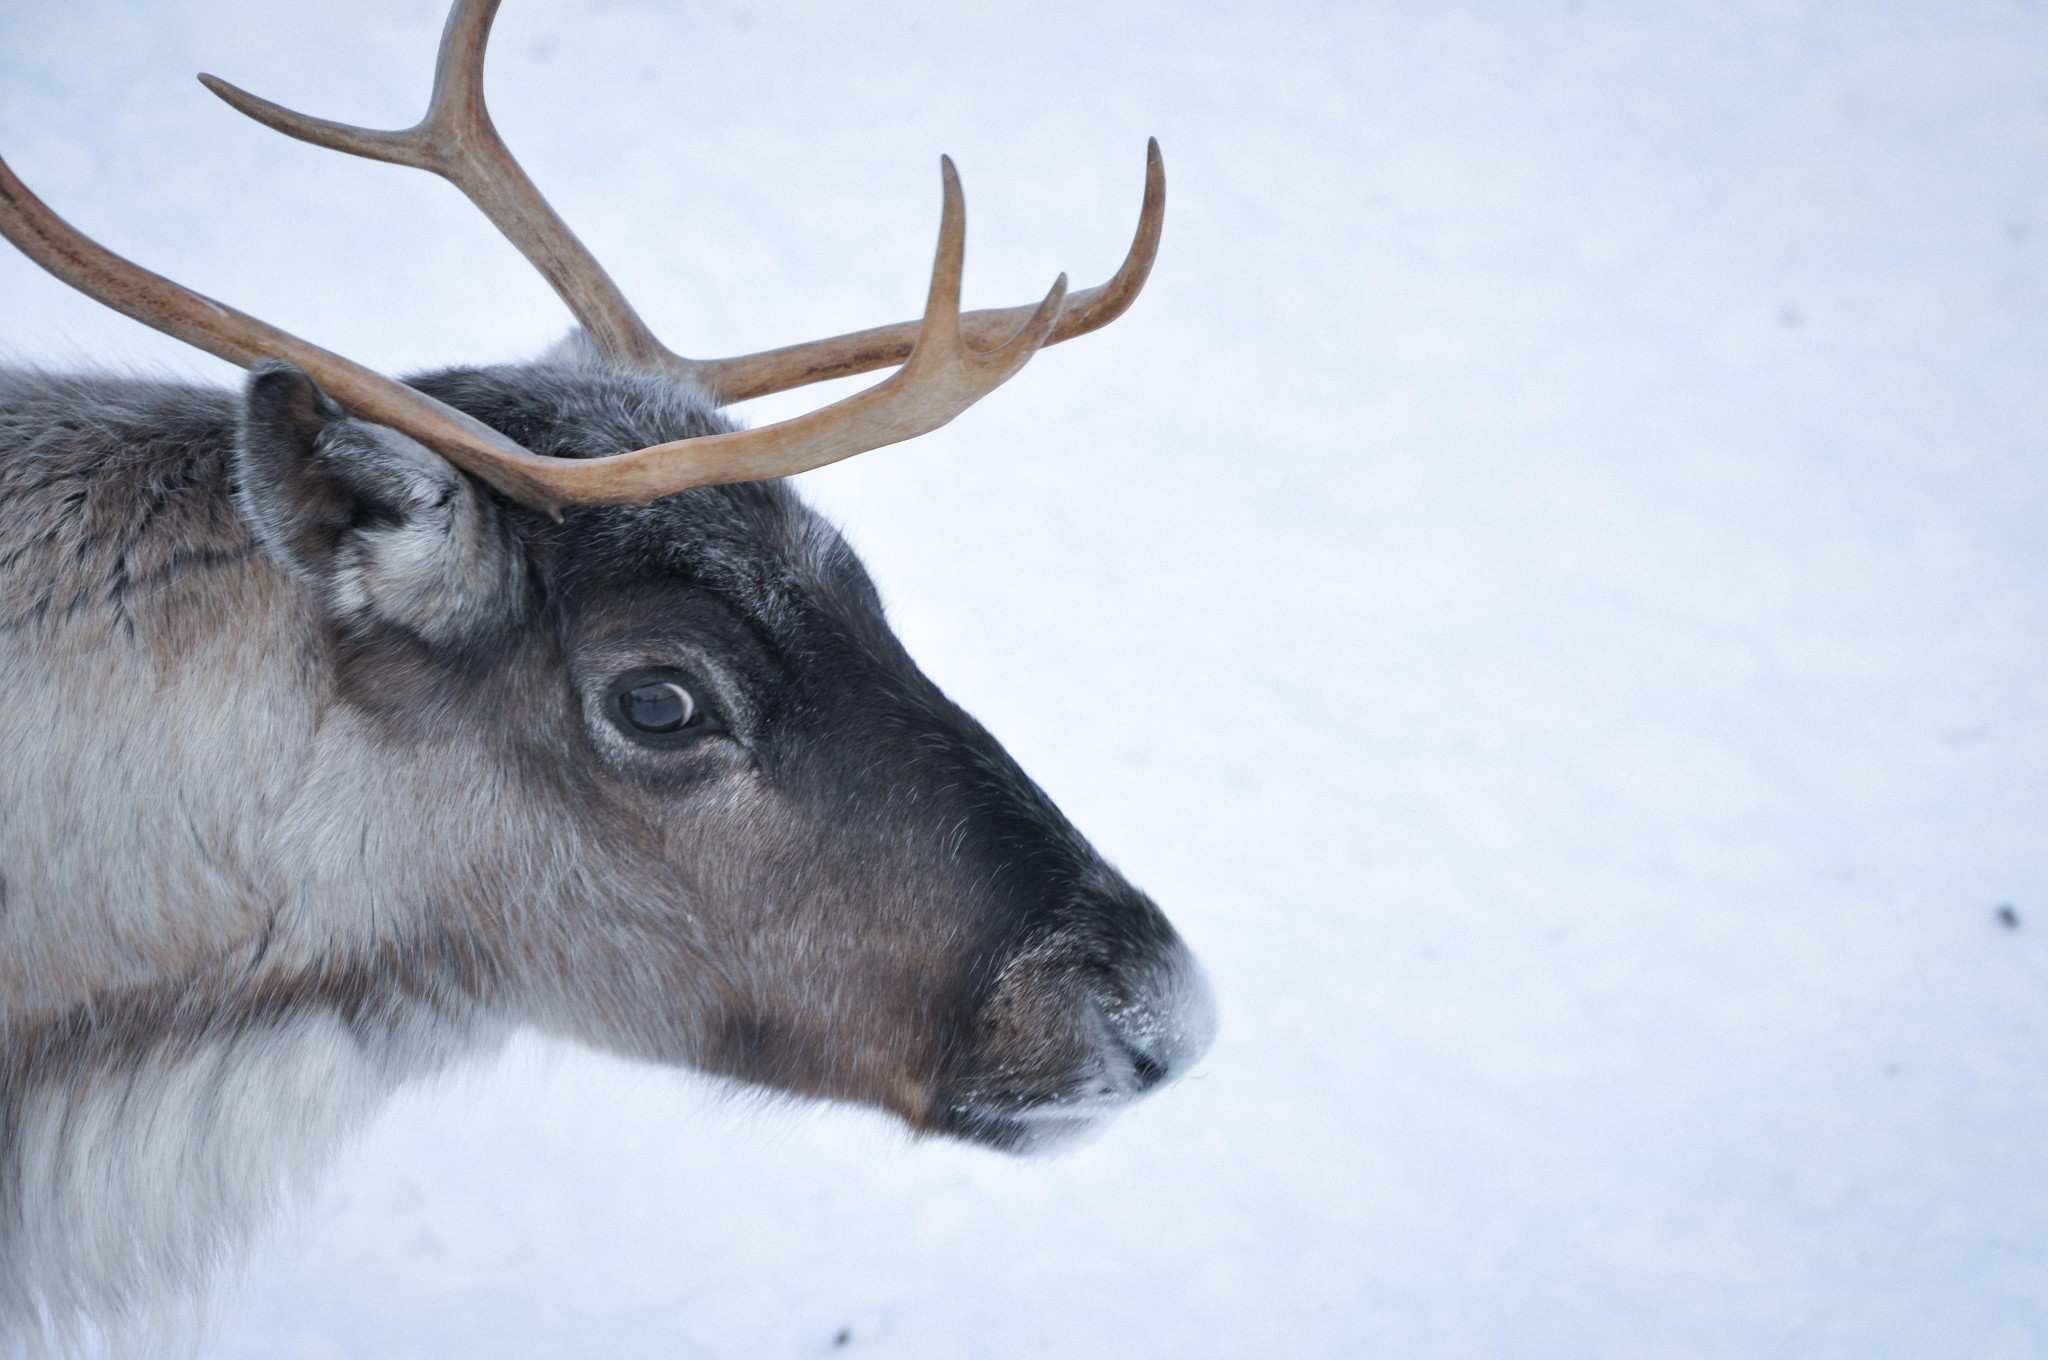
[(1546, 589)]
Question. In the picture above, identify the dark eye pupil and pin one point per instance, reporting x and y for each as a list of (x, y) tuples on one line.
[(659, 707)]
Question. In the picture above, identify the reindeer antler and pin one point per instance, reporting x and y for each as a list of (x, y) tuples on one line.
[(943, 371), (457, 141)]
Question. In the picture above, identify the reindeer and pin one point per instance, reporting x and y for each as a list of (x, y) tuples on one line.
[(350, 725)]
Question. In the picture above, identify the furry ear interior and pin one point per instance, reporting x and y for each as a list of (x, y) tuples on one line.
[(382, 529)]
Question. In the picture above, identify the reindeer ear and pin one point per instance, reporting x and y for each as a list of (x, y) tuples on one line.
[(382, 529)]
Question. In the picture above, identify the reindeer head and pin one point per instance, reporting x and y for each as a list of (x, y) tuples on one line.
[(615, 738), (668, 770)]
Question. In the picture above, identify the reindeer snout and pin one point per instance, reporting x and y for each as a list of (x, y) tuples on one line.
[(1080, 1022)]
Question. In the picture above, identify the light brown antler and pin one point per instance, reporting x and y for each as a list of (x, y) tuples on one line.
[(457, 140), (942, 374), (942, 378)]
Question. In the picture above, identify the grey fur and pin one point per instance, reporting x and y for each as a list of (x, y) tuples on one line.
[(312, 780)]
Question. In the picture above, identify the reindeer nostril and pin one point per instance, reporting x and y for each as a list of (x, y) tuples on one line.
[(1161, 1024), (1147, 1069)]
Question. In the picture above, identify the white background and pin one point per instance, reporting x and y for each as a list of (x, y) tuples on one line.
[(1546, 588)]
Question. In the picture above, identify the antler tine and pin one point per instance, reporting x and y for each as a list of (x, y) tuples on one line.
[(778, 370), (457, 141), (241, 339)]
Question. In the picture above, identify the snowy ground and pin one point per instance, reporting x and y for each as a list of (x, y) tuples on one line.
[(1546, 588)]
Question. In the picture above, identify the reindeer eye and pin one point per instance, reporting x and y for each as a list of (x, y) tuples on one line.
[(663, 706), (654, 706)]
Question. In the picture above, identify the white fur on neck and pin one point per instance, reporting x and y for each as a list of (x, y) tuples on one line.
[(139, 1183)]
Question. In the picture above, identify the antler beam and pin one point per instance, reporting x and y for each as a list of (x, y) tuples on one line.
[(241, 339)]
